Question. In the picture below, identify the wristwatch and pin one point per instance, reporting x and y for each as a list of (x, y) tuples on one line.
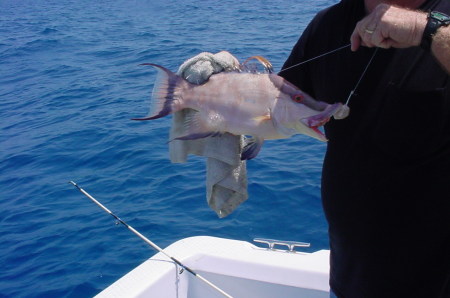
[(436, 20)]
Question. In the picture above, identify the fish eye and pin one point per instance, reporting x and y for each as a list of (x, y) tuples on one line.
[(298, 98)]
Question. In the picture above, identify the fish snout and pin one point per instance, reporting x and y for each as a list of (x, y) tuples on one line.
[(320, 119), (324, 116)]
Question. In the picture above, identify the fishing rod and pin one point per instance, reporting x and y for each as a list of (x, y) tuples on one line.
[(149, 242)]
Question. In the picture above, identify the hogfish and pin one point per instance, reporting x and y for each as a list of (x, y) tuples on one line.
[(262, 105)]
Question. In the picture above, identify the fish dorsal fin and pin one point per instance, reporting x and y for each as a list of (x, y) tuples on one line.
[(252, 67)]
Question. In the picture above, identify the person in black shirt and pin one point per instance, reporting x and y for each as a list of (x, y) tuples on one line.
[(386, 173)]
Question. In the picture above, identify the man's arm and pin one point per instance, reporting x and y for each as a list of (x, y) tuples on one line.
[(390, 26), (441, 46)]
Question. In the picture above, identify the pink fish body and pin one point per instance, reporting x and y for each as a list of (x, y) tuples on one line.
[(264, 106)]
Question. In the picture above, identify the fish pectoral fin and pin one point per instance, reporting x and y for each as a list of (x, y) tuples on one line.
[(260, 119), (252, 149)]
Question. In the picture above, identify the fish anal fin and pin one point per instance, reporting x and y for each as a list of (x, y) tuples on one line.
[(196, 136), (195, 127)]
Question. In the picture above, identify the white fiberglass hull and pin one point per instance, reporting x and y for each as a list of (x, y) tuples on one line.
[(237, 267)]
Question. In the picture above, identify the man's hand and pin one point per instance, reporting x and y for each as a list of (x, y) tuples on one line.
[(389, 26)]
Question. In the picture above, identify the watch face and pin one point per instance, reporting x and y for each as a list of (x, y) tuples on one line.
[(442, 17)]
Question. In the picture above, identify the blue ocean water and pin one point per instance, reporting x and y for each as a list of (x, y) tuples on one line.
[(69, 84)]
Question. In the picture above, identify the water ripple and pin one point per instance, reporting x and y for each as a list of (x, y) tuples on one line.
[(69, 84)]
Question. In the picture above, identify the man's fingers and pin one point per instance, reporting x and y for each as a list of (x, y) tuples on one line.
[(362, 35), (355, 40), (389, 26)]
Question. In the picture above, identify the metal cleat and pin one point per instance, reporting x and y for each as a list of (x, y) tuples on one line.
[(291, 245)]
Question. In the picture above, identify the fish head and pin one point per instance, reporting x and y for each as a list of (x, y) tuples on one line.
[(296, 112)]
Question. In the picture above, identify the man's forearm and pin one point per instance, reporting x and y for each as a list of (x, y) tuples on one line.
[(441, 47)]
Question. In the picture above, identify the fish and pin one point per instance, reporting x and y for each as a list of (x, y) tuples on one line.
[(262, 106)]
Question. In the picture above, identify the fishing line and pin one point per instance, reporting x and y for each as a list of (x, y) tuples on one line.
[(156, 247), (317, 57), (352, 92), (361, 77)]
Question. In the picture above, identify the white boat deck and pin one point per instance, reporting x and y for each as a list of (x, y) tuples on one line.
[(237, 267)]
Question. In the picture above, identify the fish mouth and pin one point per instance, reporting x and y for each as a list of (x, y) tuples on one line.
[(314, 122)]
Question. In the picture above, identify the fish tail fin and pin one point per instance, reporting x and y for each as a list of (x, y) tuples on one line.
[(166, 95)]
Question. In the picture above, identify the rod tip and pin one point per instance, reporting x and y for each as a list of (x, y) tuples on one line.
[(73, 183)]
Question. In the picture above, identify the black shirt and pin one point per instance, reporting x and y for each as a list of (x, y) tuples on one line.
[(386, 173)]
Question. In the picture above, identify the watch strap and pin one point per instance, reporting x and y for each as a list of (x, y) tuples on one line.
[(435, 21)]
